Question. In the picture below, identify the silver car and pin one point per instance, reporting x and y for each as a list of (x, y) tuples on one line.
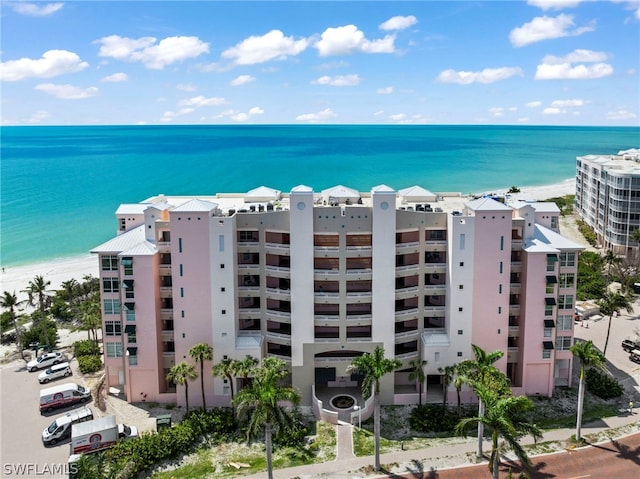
[(44, 361)]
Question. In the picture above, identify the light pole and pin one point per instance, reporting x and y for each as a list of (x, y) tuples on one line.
[(359, 409)]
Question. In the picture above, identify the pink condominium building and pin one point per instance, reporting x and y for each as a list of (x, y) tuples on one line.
[(318, 278)]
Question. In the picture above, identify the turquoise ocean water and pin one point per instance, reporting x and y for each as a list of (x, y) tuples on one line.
[(62, 185)]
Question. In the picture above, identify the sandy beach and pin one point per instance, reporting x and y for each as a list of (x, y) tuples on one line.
[(16, 278)]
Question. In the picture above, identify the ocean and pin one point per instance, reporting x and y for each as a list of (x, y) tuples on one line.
[(61, 185)]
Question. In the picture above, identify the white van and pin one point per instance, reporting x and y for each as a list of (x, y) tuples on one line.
[(61, 428), (56, 371), (62, 396)]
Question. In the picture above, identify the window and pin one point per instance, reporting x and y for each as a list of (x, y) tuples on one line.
[(462, 241), (500, 267), (501, 243), (563, 343), (546, 354), (132, 354), (499, 309), (554, 222), (547, 332), (499, 289), (127, 262), (436, 357), (460, 309), (111, 306), (550, 288), (129, 309), (461, 286), (223, 289), (110, 285), (459, 354), (461, 263), (179, 245), (459, 331), (548, 310), (551, 262), (222, 265), (180, 268), (224, 311), (567, 280), (113, 328), (567, 259), (565, 322), (565, 301), (182, 292), (221, 243), (127, 284), (114, 350), (133, 360), (109, 263)]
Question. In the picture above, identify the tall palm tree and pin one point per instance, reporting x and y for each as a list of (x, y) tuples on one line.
[(9, 302), (417, 374), (90, 317), (611, 304), (373, 366), (588, 355), (460, 380), (448, 373), (200, 353), (39, 295), (244, 367), (227, 369), (504, 416), (611, 259), (260, 402), (181, 374), (481, 371)]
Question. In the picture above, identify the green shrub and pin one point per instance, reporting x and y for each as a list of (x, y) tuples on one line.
[(85, 348), (603, 385), (436, 418), (89, 364), (589, 235)]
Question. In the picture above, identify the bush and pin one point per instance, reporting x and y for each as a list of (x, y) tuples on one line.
[(603, 385), (89, 364), (589, 235), (436, 418), (85, 348)]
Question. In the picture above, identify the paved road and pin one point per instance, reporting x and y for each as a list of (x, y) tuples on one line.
[(22, 453)]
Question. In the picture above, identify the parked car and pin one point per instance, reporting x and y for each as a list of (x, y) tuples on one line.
[(634, 356), (629, 345), (60, 429), (46, 360), (63, 395), (56, 371)]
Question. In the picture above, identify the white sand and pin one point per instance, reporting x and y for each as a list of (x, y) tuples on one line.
[(76, 267)]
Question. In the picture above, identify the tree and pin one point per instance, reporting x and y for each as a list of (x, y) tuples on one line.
[(611, 259), (39, 295), (448, 373), (373, 366), (460, 380), (481, 371), (227, 369), (90, 317), (260, 403), (504, 416), (514, 189), (588, 355), (9, 302), (244, 367), (181, 374), (611, 304), (200, 353), (417, 374), (635, 236)]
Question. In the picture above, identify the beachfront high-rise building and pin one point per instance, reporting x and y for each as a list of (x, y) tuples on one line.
[(317, 279), (608, 197)]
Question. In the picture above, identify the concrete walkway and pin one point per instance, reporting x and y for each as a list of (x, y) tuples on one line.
[(347, 466)]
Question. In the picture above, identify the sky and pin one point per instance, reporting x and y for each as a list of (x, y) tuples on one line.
[(535, 62)]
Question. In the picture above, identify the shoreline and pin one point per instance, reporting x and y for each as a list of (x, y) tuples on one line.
[(16, 278)]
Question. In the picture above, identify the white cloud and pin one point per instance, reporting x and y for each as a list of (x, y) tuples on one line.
[(67, 92), (200, 101), (116, 77), (171, 115), (488, 75), (270, 46), (553, 111), (554, 4), (323, 115), (35, 10), (533, 104), (524, 119), (188, 87), (242, 80), (338, 80), (621, 114), (576, 56), (151, 54), (398, 117), (545, 28), (39, 116), (256, 110), (398, 23), (240, 117), (52, 63), (388, 90), (565, 71), (348, 39), (496, 111), (568, 103)]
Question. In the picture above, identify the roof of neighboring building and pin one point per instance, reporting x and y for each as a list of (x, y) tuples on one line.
[(195, 205), (132, 208), (486, 204), (435, 339), (546, 240), (131, 240), (417, 193), (539, 207)]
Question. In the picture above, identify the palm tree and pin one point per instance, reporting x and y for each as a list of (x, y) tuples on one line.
[(260, 402), (9, 302), (460, 380), (588, 355), (417, 374), (244, 367), (38, 295), (180, 374), (227, 369), (200, 353), (373, 366), (611, 259), (480, 371), (504, 417), (635, 236), (448, 373), (90, 317), (611, 304)]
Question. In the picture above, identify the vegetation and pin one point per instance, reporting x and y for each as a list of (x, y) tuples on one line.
[(589, 235), (514, 189), (85, 348), (565, 203), (610, 305), (181, 374), (200, 353), (436, 418), (10, 303), (417, 374), (89, 364), (591, 283), (603, 385), (588, 356)]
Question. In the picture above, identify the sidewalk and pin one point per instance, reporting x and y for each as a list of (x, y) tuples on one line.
[(439, 457)]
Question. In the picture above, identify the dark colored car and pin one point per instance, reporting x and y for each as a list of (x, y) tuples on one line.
[(628, 345)]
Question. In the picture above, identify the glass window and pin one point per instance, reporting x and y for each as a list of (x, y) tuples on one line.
[(567, 280), (111, 306), (112, 328), (114, 350), (133, 360), (565, 301), (110, 285), (109, 263), (548, 310), (546, 354), (567, 259), (563, 343), (547, 332), (565, 322)]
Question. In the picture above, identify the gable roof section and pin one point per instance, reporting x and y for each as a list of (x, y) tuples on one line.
[(262, 193), (545, 240), (486, 204), (195, 205), (417, 193), (132, 240)]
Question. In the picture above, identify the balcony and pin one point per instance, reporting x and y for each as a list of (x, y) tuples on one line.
[(514, 331), (167, 335), (166, 291), (407, 248), (164, 269)]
